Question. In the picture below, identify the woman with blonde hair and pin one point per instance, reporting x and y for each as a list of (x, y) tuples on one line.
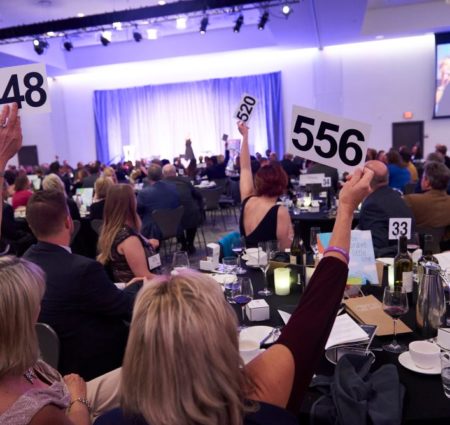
[(121, 246), (101, 187), (182, 363), (110, 173), (54, 182)]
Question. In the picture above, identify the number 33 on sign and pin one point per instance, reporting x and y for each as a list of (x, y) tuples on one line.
[(335, 141), (25, 85)]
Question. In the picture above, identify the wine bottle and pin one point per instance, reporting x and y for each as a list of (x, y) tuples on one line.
[(427, 255), (403, 267), (298, 255)]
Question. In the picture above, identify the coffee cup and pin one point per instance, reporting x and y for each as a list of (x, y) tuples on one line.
[(248, 349), (443, 338), (425, 355)]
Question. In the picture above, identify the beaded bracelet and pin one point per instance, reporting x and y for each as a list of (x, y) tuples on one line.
[(83, 401), (341, 251)]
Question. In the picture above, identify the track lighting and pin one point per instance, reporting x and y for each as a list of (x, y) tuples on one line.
[(105, 38), (39, 46), (263, 20), (137, 36), (238, 24), (67, 44), (286, 10), (203, 25)]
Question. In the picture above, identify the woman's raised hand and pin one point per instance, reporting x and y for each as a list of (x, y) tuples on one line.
[(243, 129), (355, 189), (10, 133)]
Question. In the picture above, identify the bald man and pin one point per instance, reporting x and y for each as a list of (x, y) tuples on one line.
[(192, 201), (381, 205)]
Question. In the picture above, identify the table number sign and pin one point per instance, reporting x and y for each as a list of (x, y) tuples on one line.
[(27, 86), (245, 108), (326, 182), (331, 140), (399, 227)]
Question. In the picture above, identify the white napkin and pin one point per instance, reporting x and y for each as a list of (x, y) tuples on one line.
[(285, 316)]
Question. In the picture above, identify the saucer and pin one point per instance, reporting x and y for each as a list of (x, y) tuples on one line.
[(406, 361), (257, 333)]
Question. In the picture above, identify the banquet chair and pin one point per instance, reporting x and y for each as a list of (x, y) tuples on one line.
[(437, 233), (48, 344), (168, 221), (96, 225), (211, 203), (76, 229)]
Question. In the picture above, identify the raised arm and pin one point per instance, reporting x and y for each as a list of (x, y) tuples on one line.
[(10, 139), (283, 372), (246, 186)]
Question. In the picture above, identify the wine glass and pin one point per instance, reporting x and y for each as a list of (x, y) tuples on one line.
[(237, 246), (229, 264), (266, 252), (180, 260), (313, 243), (242, 295), (395, 303), (413, 243)]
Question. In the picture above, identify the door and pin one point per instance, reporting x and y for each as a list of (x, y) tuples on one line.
[(408, 134)]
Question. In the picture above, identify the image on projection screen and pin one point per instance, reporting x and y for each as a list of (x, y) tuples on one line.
[(442, 96)]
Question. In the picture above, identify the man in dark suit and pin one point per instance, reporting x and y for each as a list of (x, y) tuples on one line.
[(80, 303), (192, 200), (155, 196), (292, 169), (381, 205)]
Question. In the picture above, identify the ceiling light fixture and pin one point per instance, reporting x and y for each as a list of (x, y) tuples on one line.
[(286, 10), (238, 24), (105, 37), (181, 23), (161, 2), (203, 25), (152, 34), (80, 15), (39, 46), (137, 36), (263, 20), (117, 26), (67, 44)]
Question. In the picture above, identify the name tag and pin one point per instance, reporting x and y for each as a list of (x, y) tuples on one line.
[(154, 261)]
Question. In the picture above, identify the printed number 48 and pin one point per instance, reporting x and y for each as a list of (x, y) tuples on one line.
[(33, 81), (334, 147)]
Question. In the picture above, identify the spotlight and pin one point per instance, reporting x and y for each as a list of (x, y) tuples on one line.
[(117, 26), (181, 23), (286, 10), (137, 36), (263, 21), (68, 45), (39, 46), (105, 37), (239, 23), (203, 25)]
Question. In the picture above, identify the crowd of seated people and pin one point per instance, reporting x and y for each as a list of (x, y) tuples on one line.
[(182, 362)]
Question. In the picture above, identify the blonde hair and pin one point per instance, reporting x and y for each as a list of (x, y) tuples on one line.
[(22, 286), (120, 209), (53, 182), (182, 363), (102, 184), (110, 173)]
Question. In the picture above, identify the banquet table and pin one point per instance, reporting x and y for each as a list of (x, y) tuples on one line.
[(424, 402)]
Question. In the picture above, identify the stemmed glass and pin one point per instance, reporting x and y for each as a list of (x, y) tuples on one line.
[(413, 243), (266, 252), (242, 295), (237, 246), (313, 242), (180, 260), (395, 303)]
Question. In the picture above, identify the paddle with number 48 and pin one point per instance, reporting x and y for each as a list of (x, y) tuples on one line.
[(335, 141), (25, 85)]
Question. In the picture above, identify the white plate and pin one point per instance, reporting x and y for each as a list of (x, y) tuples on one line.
[(249, 358), (222, 278), (406, 361), (257, 334)]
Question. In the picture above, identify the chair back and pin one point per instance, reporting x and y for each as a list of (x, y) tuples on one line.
[(168, 221), (76, 229), (48, 344), (436, 232), (96, 225), (211, 198)]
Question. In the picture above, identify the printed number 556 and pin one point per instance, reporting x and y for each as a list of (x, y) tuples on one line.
[(342, 147)]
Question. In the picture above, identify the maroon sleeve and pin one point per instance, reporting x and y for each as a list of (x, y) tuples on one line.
[(308, 329)]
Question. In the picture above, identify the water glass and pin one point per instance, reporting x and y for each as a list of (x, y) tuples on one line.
[(237, 246), (313, 242), (445, 372), (242, 295), (180, 260), (230, 284), (229, 264)]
